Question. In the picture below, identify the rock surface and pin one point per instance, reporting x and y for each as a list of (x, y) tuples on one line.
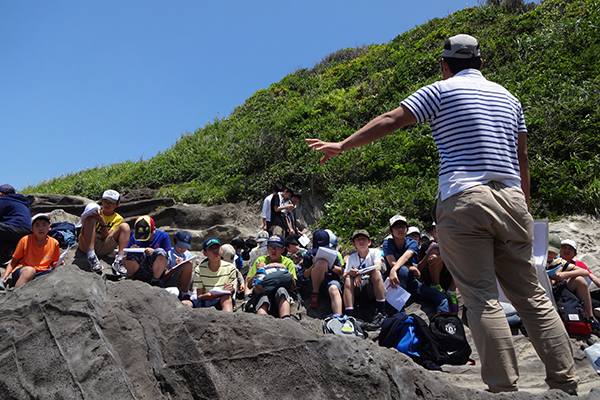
[(73, 335)]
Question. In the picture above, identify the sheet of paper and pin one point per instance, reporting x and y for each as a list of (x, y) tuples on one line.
[(183, 262), (62, 256), (328, 254), (396, 297), (220, 291), (304, 240), (134, 250), (368, 269)]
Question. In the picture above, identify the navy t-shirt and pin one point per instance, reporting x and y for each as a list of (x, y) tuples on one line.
[(390, 248)]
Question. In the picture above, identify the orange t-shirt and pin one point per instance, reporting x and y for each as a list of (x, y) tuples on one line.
[(31, 254)]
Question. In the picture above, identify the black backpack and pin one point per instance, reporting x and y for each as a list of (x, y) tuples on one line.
[(571, 312), (452, 340)]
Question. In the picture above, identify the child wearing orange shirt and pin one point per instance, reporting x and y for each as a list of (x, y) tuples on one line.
[(36, 254)]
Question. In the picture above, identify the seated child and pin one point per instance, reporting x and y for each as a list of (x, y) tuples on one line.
[(356, 282), (435, 274), (150, 265), (281, 296), (566, 273), (228, 254), (398, 252), (325, 278), (103, 231), (36, 254), (177, 255), (214, 280)]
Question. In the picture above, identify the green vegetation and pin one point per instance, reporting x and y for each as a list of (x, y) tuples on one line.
[(546, 55)]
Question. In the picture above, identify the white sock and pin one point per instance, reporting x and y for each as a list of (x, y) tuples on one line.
[(91, 253)]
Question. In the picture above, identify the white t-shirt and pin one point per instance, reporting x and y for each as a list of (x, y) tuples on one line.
[(355, 261)]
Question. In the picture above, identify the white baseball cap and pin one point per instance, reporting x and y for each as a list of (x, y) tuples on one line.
[(111, 195), (413, 229), (570, 243)]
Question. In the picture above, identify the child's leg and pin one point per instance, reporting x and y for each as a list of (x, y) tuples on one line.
[(378, 289), (335, 295), (87, 236), (26, 274), (185, 276), (226, 302), (349, 294), (159, 265), (284, 307), (318, 273), (132, 266), (121, 236), (579, 286)]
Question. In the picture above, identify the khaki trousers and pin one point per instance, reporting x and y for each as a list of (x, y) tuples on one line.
[(485, 233)]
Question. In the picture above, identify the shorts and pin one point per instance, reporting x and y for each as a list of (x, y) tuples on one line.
[(330, 279), (273, 298), (17, 272), (106, 246), (216, 303), (144, 272), (366, 289)]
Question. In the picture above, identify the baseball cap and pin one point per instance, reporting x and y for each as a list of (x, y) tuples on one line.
[(413, 229), (40, 216), (228, 253), (333, 240), (275, 240), (209, 242), (183, 239), (320, 239), (461, 46), (111, 195), (398, 218), (262, 236), (570, 243), (143, 227), (6, 188), (554, 244), (238, 242), (360, 232)]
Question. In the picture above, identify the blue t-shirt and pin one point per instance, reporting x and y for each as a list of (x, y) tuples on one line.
[(390, 248), (160, 240)]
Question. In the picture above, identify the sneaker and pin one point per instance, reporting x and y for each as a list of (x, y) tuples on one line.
[(597, 312), (118, 267), (314, 300), (377, 320), (437, 287), (95, 263), (453, 303), (184, 297)]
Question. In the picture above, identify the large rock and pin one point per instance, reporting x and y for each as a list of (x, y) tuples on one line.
[(72, 335)]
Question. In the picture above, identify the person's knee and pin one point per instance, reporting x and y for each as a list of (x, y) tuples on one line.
[(375, 276)]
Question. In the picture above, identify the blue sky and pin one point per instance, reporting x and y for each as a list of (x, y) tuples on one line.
[(92, 83)]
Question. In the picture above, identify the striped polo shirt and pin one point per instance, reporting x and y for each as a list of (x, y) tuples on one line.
[(475, 125)]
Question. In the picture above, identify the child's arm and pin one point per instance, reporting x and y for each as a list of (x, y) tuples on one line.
[(9, 268), (576, 271)]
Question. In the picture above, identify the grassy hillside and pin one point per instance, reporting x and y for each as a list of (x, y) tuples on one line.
[(547, 57)]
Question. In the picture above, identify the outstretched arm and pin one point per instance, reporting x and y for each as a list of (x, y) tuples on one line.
[(376, 129)]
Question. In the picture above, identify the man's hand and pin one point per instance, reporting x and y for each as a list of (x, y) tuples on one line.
[(328, 148)]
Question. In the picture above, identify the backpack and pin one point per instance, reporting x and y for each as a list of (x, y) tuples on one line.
[(411, 335), (268, 280), (342, 326), (64, 232), (571, 312), (452, 340)]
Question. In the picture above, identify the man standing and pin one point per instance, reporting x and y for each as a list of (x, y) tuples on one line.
[(15, 220), (483, 221)]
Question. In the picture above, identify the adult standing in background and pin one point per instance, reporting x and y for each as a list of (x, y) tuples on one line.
[(482, 210), (15, 220)]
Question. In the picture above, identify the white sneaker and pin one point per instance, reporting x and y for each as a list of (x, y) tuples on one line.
[(95, 263), (118, 267), (597, 312)]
